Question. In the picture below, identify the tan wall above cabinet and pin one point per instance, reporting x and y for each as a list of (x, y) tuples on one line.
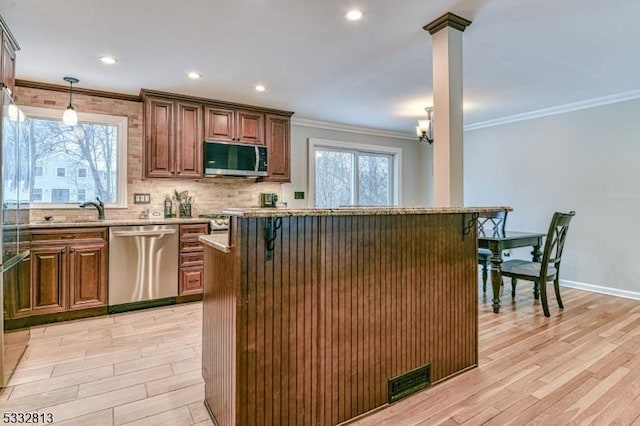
[(8, 48), (176, 126)]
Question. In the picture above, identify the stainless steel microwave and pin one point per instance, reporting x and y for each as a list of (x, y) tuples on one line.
[(234, 159)]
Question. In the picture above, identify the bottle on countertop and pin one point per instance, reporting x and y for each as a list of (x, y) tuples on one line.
[(168, 207)]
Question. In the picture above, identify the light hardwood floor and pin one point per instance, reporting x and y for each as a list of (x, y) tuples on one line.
[(581, 366), (136, 368)]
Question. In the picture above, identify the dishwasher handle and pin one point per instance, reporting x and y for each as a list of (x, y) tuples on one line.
[(155, 233)]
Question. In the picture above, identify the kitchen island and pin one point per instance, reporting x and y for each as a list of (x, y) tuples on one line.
[(316, 316)]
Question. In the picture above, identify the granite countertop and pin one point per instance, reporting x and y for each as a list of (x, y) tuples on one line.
[(217, 241), (85, 223), (358, 211)]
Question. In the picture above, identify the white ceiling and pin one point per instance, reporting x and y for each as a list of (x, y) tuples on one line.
[(519, 55)]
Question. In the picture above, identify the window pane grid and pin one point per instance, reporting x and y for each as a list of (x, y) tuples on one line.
[(75, 151), (366, 176)]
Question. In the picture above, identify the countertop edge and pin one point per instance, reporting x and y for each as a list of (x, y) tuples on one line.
[(216, 242), (114, 222), (359, 211)]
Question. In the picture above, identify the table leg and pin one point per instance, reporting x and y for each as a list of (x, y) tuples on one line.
[(536, 254), (496, 280)]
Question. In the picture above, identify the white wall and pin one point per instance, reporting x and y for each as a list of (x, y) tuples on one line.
[(587, 161), (411, 189)]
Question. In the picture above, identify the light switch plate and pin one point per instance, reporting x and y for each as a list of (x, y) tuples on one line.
[(141, 198)]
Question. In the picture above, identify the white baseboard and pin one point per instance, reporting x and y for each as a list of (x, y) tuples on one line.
[(600, 289)]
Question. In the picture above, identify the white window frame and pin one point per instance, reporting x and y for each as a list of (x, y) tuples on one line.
[(121, 122), (396, 154)]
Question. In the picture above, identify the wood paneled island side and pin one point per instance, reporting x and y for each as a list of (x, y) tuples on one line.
[(308, 314)]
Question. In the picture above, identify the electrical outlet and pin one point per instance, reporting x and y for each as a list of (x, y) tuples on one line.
[(298, 195), (141, 198)]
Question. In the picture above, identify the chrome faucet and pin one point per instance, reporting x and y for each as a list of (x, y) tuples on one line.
[(99, 206)]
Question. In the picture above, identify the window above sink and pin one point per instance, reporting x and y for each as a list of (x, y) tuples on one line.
[(73, 164)]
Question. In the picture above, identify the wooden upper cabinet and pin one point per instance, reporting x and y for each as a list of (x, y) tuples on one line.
[(188, 140), (219, 124), (278, 141), (8, 48), (176, 126), (226, 124), (160, 137), (173, 138), (250, 127)]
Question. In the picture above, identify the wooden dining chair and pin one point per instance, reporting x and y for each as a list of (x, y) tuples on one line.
[(546, 270), (489, 224)]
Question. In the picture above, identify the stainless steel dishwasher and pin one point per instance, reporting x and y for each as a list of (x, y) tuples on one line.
[(143, 266)]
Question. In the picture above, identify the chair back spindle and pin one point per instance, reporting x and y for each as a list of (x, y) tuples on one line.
[(554, 245), (492, 223)]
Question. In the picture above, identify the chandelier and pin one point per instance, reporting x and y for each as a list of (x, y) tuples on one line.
[(424, 129)]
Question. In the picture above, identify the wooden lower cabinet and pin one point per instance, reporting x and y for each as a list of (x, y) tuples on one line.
[(48, 277), (68, 272), (88, 275), (190, 281), (17, 289), (191, 269)]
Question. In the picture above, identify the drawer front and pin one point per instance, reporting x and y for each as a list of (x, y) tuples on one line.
[(192, 231), (191, 259), (190, 281), (68, 234), (188, 246)]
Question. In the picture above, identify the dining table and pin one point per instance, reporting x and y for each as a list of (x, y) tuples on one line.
[(497, 242)]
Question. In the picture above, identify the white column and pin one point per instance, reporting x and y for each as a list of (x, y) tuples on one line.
[(447, 110)]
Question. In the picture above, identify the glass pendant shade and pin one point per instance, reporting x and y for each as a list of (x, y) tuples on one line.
[(70, 117), (424, 129)]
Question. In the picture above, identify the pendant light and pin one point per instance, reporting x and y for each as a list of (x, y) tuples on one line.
[(70, 117)]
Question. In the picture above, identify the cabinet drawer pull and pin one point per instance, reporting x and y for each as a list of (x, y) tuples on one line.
[(67, 236)]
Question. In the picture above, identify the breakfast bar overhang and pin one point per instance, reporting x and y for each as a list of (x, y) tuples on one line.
[(317, 316)]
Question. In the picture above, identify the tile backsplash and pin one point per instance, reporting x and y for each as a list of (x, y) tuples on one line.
[(211, 195)]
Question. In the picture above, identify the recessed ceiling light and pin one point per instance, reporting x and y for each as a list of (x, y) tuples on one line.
[(260, 88), (109, 60), (194, 75), (354, 15)]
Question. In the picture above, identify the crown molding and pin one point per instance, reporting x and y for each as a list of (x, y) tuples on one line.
[(76, 90), (351, 129), (560, 109)]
